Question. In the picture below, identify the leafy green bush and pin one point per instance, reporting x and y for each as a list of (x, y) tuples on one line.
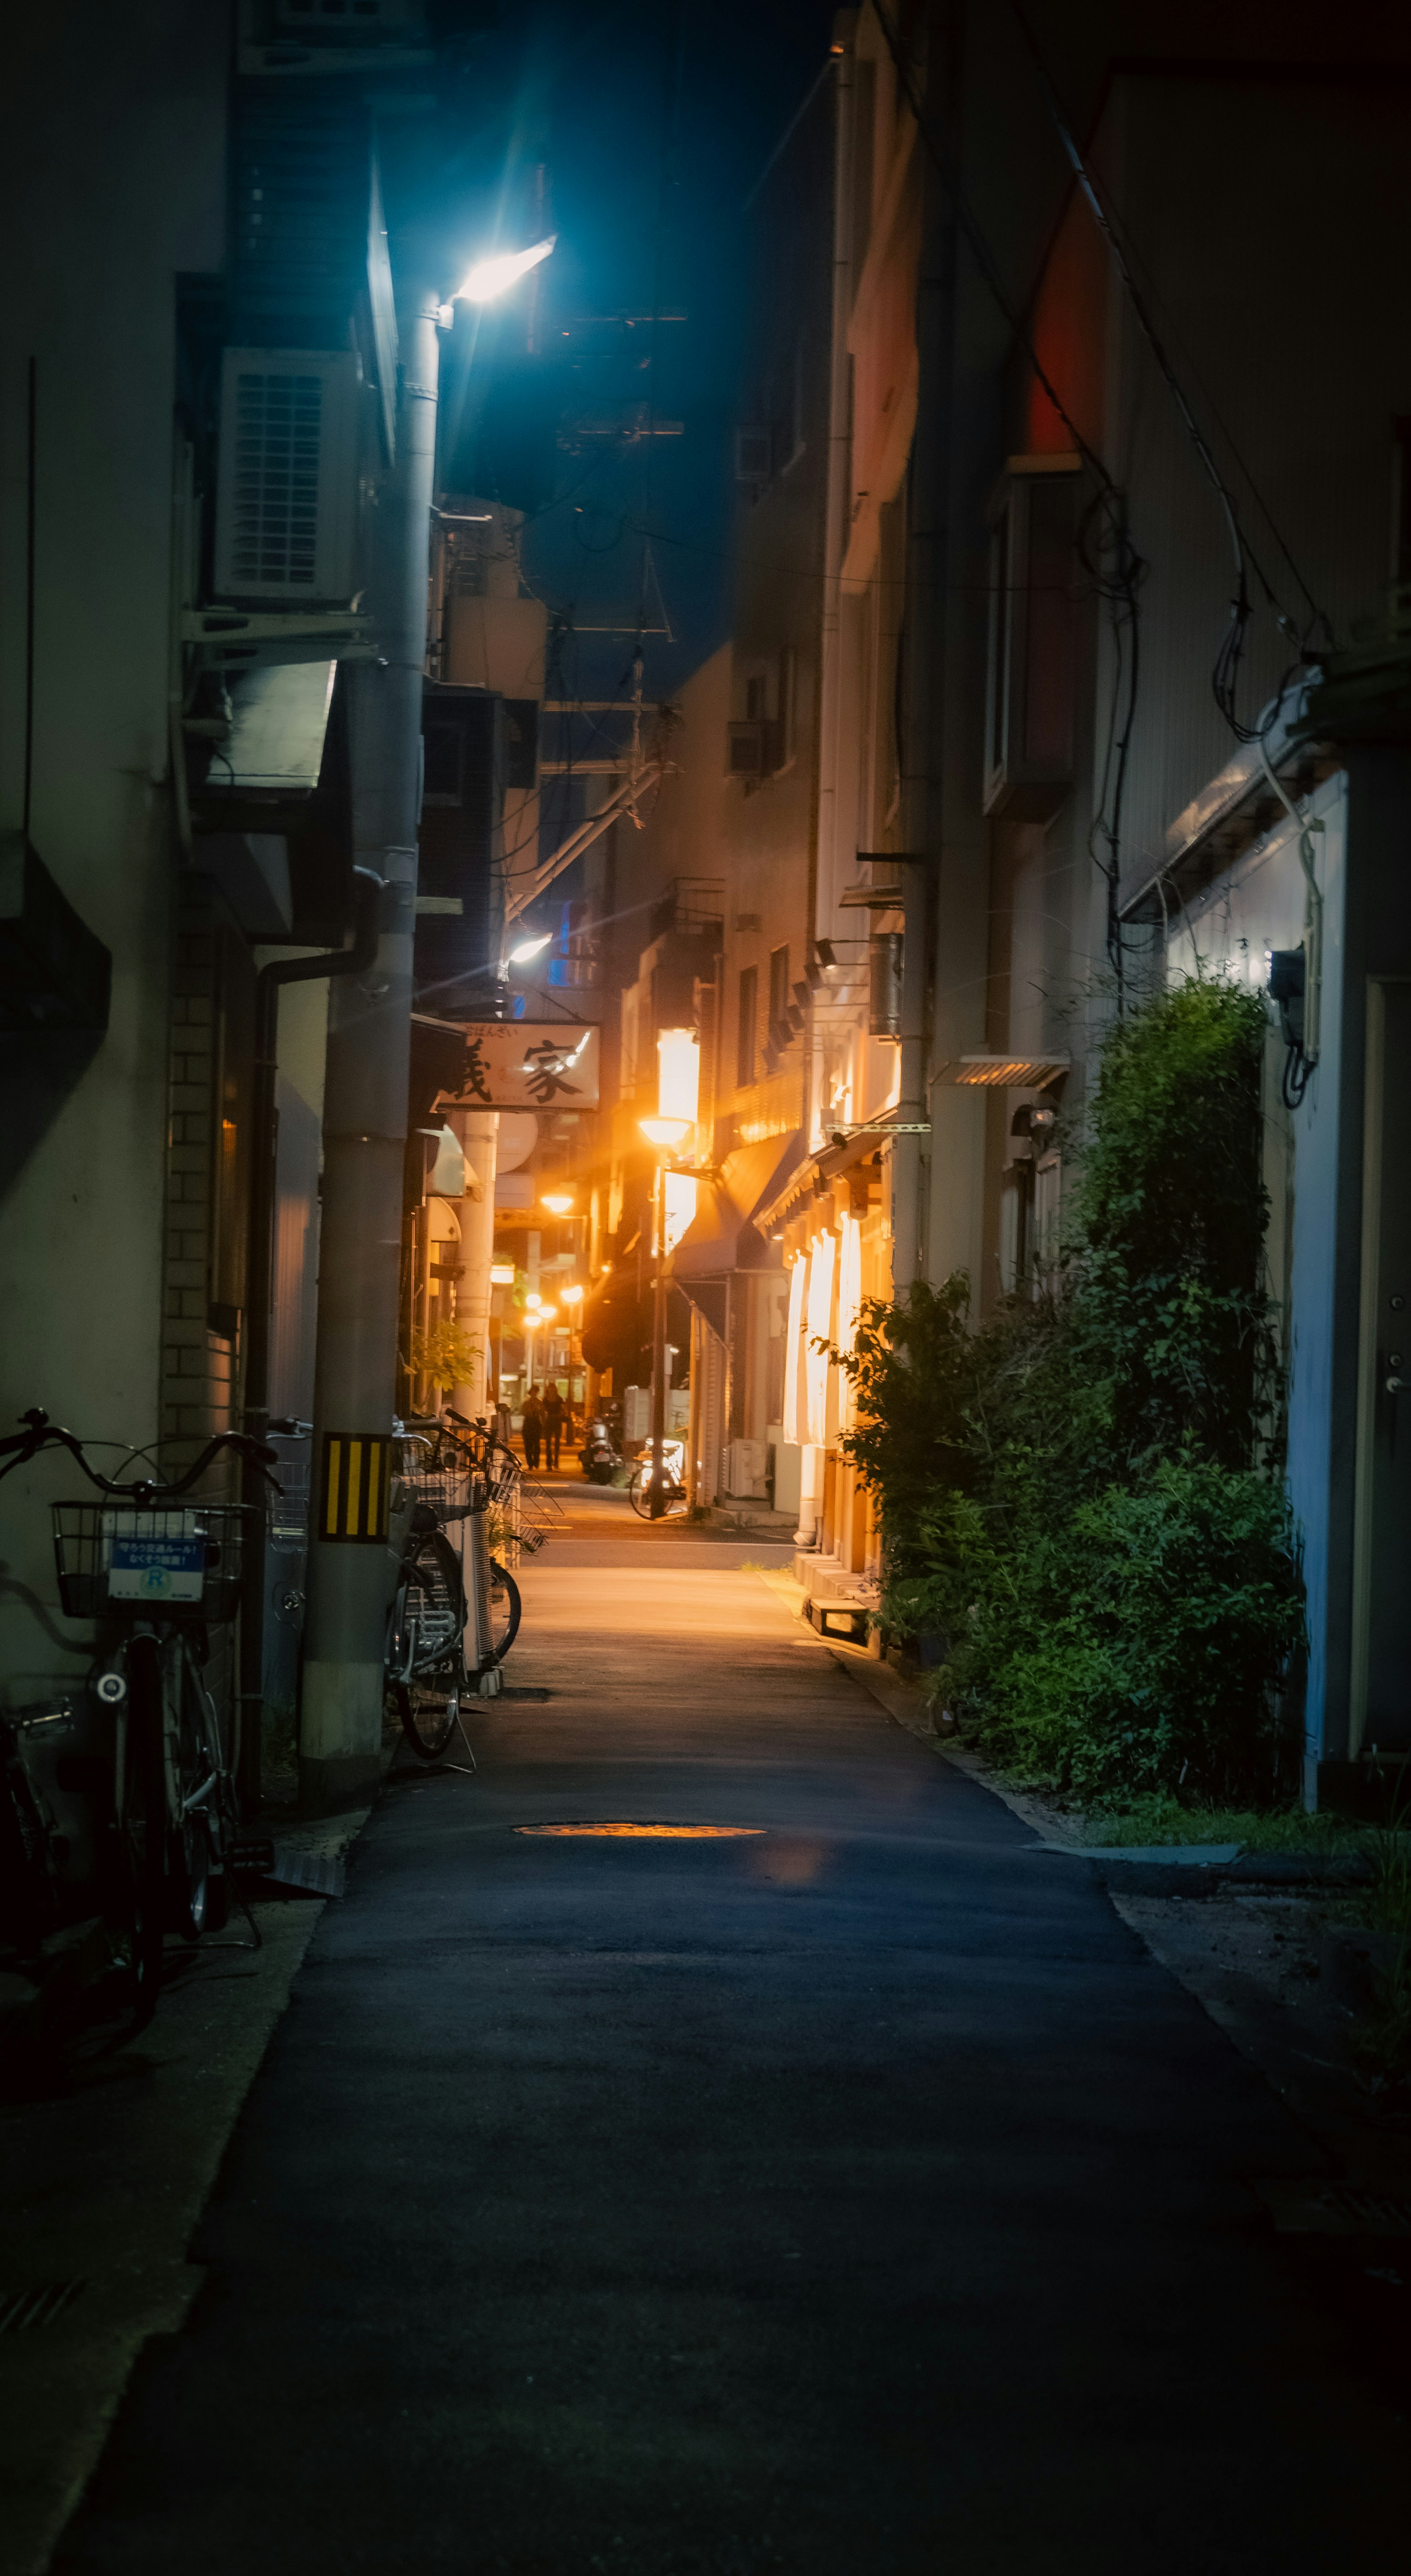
[(1170, 1219), (1069, 1492)]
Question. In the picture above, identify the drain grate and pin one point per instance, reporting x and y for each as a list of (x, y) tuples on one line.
[(318, 1873), (1334, 2209), (22, 2310)]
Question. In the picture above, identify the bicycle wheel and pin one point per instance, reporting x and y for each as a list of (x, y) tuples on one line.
[(198, 1899), (505, 1609), (137, 1914), (425, 1653), (639, 1494)]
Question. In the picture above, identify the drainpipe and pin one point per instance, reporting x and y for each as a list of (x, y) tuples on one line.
[(364, 1142), (259, 1302), (838, 509), (929, 493)]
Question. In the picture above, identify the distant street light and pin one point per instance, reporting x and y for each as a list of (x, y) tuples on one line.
[(558, 1202), (490, 277), (665, 1132), (572, 1296), (528, 948)]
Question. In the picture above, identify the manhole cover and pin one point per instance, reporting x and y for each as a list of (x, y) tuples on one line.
[(650, 1833), (1334, 2209)]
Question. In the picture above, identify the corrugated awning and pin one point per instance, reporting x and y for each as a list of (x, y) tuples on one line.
[(723, 1235)]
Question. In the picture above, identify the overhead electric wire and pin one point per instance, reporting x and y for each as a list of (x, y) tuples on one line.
[(1226, 672)]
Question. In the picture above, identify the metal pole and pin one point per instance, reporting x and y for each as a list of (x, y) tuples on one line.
[(476, 1132), (364, 1140), (659, 1345), (925, 650), (264, 1128)]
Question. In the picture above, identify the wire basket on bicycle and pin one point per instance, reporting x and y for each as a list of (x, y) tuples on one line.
[(184, 1559)]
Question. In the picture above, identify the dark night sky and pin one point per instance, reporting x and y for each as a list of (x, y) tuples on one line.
[(653, 121)]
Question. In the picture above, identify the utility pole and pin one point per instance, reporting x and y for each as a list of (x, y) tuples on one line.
[(658, 1506), (476, 1131), (364, 1138)]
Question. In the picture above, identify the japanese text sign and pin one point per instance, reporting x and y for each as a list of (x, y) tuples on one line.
[(529, 1064)]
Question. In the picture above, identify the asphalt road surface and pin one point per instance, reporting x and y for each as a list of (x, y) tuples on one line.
[(849, 2193)]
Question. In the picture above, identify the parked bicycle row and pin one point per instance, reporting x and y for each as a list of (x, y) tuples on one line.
[(118, 1802)]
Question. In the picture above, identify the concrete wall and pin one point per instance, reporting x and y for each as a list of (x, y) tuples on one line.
[(112, 179), (1225, 933)]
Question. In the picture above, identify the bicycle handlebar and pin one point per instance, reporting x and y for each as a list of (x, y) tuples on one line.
[(21, 1446)]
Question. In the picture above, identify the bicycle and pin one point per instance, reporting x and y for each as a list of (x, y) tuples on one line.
[(642, 1484), (426, 1668), (167, 1565)]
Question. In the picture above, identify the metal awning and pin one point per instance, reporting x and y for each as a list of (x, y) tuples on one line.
[(724, 1234)]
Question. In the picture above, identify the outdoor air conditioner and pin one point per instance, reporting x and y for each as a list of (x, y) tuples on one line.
[(744, 1469), (753, 455), (287, 486)]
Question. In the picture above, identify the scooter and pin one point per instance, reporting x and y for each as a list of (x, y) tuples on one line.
[(600, 1461)]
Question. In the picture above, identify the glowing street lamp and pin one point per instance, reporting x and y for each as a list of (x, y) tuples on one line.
[(491, 277), (530, 948), (558, 1202), (665, 1132)]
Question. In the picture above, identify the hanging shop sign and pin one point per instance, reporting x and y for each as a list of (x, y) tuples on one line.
[(528, 1064)]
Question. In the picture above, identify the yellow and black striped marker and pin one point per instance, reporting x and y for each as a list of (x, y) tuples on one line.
[(353, 1503)]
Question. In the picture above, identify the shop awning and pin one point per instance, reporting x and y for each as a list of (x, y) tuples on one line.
[(723, 1235)]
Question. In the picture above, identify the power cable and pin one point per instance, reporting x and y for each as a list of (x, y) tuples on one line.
[(1120, 586), (1225, 676)]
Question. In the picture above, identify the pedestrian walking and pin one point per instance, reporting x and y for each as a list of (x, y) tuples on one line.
[(554, 1411), (532, 1429)]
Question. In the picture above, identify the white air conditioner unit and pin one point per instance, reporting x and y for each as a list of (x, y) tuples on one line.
[(745, 1463), (361, 17), (287, 489), (754, 455)]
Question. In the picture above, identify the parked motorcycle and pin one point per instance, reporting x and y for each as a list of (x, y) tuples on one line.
[(602, 1464)]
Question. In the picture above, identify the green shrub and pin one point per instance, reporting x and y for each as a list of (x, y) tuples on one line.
[(1069, 1492)]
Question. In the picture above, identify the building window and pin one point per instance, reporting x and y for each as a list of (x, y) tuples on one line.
[(745, 1031), (778, 991), (1033, 639)]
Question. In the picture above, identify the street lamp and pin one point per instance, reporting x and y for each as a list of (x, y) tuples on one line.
[(665, 1134), (558, 1202), (491, 277), (530, 948)]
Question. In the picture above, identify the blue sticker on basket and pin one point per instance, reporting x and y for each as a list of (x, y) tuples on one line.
[(157, 1569)]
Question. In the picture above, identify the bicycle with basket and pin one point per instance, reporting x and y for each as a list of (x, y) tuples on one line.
[(455, 1612), (162, 1564)]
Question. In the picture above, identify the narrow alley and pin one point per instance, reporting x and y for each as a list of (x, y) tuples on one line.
[(839, 2186)]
